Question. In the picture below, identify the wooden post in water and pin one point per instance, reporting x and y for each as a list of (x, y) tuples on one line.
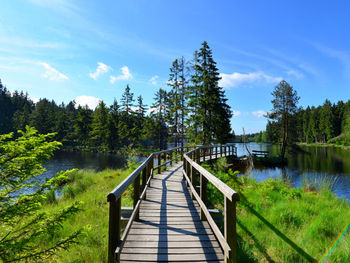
[(230, 230), (137, 195), (114, 228), (203, 194)]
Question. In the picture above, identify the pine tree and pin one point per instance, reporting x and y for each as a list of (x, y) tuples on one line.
[(177, 97), (159, 115), (82, 125), (99, 125), (113, 123), (284, 107), (213, 113)]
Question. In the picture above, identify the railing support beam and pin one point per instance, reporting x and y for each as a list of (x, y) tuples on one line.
[(114, 228), (230, 230)]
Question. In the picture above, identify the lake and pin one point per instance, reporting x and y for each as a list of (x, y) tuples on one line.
[(331, 161)]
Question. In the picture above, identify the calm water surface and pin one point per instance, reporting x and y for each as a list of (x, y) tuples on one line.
[(330, 161), (333, 162)]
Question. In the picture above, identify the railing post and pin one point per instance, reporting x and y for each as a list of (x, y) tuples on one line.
[(114, 228), (220, 150), (182, 154), (225, 147), (144, 176), (136, 194), (165, 159), (188, 170), (203, 194), (210, 149), (171, 157), (198, 155), (230, 230), (159, 161), (193, 180)]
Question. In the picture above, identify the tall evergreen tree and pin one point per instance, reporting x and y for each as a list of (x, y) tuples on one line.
[(113, 123), (159, 115), (99, 130), (83, 124), (284, 107), (213, 112)]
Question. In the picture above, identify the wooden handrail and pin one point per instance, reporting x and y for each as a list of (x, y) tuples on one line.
[(146, 169), (228, 242), (115, 244)]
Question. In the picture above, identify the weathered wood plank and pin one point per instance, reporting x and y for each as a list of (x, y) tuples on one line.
[(172, 250), (170, 257), (185, 244), (169, 231)]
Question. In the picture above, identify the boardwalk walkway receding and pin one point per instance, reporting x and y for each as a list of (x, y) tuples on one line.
[(169, 228)]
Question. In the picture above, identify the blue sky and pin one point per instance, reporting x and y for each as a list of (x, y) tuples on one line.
[(90, 50)]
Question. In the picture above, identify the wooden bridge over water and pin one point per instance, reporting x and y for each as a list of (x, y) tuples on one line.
[(170, 220)]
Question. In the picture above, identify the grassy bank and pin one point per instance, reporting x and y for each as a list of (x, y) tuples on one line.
[(279, 223), (120, 151), (91, 188)]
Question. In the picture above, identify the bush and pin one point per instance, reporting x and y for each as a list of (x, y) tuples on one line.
[(23, 222)]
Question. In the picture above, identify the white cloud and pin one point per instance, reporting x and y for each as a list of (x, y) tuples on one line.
[(259, 113), (236, 79), (236, 113), (125, 75), (153, 80), (52, 73), (83, 100), (101, 69), (295, 73)]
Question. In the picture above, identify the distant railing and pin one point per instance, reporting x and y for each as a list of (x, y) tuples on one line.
[(191, 167), (146, 169)]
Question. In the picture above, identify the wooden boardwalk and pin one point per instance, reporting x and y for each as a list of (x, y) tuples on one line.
[(170, 229)]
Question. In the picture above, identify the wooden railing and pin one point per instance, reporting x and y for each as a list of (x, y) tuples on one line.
[(191, 167), (145, 172)]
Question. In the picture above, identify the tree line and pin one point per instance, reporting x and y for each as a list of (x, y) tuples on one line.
[(317, 124), (194, 108)]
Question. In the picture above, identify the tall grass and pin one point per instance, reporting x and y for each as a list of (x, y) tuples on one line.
[(92, 189), (279, 223), (318, 182)]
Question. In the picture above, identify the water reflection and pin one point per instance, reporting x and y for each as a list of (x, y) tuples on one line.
[(323, 161)]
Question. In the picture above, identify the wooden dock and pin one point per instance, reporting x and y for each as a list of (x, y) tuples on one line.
[(169, 228)]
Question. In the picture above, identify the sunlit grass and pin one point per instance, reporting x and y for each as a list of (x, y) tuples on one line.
[(279, 223), (92, 189)]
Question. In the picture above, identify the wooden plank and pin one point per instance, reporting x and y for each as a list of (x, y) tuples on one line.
[(172, 250), (171, 257), (183, 244), (170, 238), (169, 231), (211, 261), (182, 225)]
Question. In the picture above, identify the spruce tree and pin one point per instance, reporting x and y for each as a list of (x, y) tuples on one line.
[(284, 102), (209, 101)]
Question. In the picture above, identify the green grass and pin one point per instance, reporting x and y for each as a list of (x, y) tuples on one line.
[(279, 223), (92, 189)]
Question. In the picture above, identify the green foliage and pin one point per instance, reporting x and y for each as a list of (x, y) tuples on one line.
[(22, 195)]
